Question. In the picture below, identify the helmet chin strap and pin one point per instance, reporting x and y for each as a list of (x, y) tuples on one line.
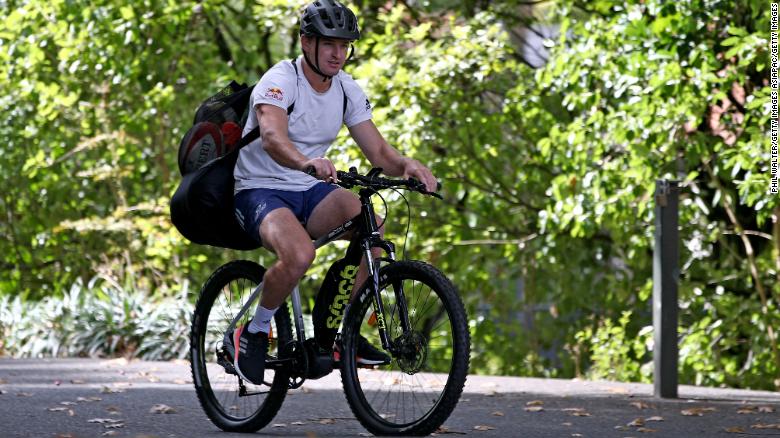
[(325, 78)]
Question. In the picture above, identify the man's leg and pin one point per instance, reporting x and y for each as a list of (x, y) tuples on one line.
[(281, 232), (335, 209)]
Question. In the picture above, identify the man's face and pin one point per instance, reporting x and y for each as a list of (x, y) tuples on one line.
[(333, 53)]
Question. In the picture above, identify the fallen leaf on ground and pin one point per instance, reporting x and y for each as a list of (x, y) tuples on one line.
[(534, 409), (89, 399), (3, 381), (67, 403), (104, 421), (637, 422), (646, 430), (114, 426), (77, 381), (654, 418), (765, 409), (497, 414), (566, 423), (696, 412), (577, 412), (446, 430), (392, 381), (534, 403), (576, 434), (180, 382), (297, 423), (113, 410), (107, 390), (765, 426), (109, 433), (162, 409), (23, 394), (484, 428), (58, 409), (327, 421), (735, 430), (278, 425), (640, 405)]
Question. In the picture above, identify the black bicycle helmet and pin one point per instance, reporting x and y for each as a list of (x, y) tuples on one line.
[(329, 19)]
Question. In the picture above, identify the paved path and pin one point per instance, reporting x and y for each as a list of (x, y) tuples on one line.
[(57, 398)]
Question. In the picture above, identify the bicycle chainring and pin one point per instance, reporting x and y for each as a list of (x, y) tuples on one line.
[(299, 367)]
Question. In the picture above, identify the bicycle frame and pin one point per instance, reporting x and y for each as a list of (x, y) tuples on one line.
[(366, 232)]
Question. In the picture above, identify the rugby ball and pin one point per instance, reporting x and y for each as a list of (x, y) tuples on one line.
[(231, 134), (216, 112), (201, 144)]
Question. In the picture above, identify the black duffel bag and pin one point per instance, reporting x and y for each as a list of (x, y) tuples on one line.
[(202, 206)]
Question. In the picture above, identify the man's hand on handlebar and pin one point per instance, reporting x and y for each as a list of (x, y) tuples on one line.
[(321, 168), (414, 169)]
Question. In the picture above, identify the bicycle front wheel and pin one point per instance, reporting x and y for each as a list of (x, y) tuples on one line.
[(419, 389), (231, 403)]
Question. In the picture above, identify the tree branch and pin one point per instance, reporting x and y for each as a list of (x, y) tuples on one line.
[(725, 200)]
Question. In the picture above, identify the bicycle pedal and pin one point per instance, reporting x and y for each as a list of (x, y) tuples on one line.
[(228, 366)]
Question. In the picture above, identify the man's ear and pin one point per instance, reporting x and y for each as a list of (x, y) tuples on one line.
[(306, 42)]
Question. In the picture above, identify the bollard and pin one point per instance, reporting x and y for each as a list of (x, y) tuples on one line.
[(666, 271)]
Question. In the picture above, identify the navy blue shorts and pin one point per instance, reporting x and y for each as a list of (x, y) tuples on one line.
[(253, 205)]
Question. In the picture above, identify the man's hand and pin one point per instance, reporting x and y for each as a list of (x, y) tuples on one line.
[(323, 169), (414, 169)]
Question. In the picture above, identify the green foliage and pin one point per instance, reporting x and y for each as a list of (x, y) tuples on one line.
[(548, 174), (100, 319), (616, 353)]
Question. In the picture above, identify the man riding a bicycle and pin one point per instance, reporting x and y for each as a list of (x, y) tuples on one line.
[(300, 107)]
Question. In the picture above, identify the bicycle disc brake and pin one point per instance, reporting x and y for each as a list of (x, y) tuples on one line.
[(412, 352)]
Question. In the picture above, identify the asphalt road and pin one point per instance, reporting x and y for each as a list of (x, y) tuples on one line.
[(94, 398)]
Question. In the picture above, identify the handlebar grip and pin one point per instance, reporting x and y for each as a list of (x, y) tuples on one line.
[(311, 171)]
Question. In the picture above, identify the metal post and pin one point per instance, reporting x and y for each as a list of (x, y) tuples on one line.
[(665, 274)]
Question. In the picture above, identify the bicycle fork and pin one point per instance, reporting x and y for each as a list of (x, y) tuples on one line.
[(373, 266)]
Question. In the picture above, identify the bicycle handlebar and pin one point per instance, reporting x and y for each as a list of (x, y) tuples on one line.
[(372, 180)]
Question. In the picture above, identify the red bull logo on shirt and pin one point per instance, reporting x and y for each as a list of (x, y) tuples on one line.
[(274, 93)]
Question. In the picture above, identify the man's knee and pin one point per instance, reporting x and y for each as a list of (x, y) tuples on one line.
[(297, 260)]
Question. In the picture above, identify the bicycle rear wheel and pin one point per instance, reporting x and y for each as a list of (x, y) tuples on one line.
[(418, 390), (218, 387)]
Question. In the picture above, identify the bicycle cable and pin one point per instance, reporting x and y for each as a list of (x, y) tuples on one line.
[(408, 221), (387, 211)]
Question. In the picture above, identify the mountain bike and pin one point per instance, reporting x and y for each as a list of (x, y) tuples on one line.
[(408, 307)]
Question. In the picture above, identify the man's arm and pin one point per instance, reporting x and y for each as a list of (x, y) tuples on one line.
[(273, 131), (381, 154)]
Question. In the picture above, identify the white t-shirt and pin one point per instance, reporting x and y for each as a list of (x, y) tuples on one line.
[(312, 126)]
